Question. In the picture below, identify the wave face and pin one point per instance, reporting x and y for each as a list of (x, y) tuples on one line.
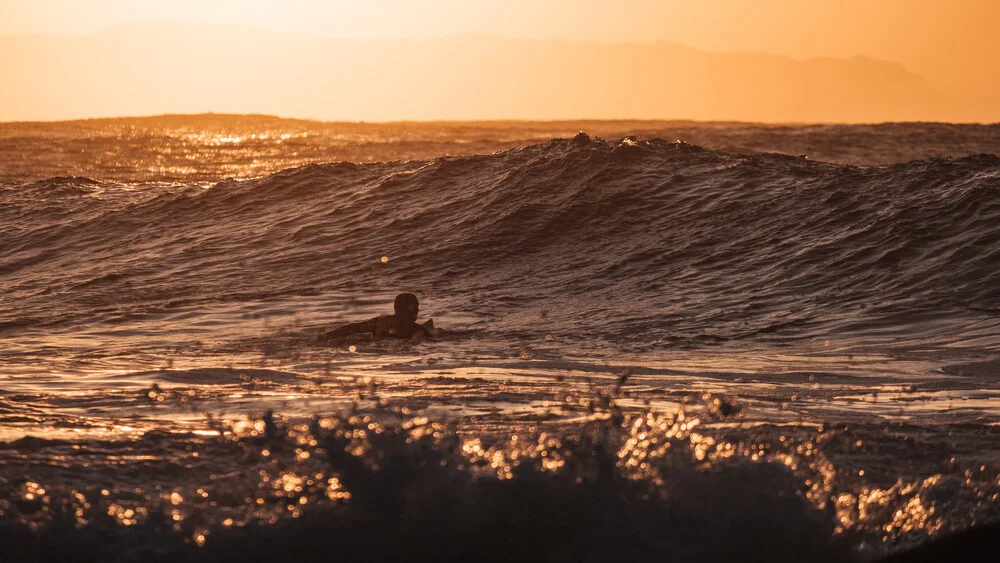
[(631, 241)]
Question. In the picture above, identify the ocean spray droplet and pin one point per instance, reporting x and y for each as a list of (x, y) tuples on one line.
[(353, 348), (385, 259)]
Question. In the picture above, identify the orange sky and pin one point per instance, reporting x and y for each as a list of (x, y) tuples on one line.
[(949, 43)]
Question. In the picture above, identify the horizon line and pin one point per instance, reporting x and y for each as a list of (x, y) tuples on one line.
[(490, 121)]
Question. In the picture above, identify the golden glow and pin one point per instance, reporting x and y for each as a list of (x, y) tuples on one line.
[(949, 44)]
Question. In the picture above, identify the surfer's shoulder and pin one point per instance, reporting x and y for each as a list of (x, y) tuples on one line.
[(385, 325)]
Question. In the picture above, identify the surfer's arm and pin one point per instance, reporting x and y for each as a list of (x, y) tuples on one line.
[(353, 328)]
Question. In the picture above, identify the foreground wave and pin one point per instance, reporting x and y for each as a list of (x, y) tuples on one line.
[(387, 485)]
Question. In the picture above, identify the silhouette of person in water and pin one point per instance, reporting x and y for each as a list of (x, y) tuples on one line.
[(401, 324)]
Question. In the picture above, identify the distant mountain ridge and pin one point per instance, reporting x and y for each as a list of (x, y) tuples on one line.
[(151, 68)]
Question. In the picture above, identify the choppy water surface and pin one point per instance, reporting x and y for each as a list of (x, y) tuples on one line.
[(800, 353)]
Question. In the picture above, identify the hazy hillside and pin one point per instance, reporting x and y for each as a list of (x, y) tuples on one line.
[(163, 67)]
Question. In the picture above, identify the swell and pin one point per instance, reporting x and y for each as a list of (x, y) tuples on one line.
[(626, 240)]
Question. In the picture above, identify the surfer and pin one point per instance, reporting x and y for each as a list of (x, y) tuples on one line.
[(401, 324)]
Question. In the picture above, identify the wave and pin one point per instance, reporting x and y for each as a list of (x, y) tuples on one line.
[(383, 485), (625, 240)]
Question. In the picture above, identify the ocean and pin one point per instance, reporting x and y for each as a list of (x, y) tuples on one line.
[(661, 340)]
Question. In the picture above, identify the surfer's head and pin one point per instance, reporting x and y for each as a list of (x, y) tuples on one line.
[(406, 306)]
